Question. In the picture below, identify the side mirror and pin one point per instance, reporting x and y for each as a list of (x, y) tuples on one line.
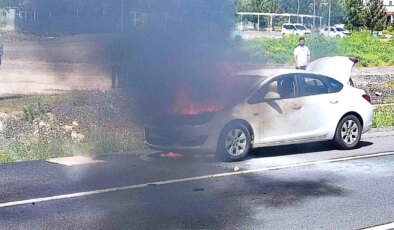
[(271, 96)]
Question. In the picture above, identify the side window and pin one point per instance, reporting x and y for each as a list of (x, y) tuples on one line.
[(286, 86), (282, 87), (312, 85), (271, 91), (335, 86)]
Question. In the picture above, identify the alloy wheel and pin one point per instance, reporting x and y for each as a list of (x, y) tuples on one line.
[(236, 142), (349, 132)]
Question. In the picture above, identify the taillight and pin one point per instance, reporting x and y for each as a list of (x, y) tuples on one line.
[(354, 60), (367, 97)]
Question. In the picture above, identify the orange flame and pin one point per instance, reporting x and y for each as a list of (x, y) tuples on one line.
[(185, 105)]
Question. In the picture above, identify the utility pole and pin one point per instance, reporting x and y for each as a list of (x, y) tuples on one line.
[(314, 13), (122, 17), (298, 9), (329, 16)]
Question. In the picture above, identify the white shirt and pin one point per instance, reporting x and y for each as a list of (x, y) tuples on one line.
[(302, 54)]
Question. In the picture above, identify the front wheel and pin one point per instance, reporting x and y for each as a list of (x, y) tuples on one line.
[(348, 133), (234, 143)]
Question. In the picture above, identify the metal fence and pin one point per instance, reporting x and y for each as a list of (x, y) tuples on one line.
[(67, 25)]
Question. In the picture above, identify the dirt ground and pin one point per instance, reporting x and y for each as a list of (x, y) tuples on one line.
[(45, 65), (34, 65)]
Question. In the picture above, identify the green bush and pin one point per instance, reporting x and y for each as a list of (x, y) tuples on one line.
[(389, 30), (34, 111), (370, 51)]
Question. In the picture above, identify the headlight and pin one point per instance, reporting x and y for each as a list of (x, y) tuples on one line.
[(198, 119)]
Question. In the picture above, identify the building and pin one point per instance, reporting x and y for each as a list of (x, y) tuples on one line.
[(389, 10)]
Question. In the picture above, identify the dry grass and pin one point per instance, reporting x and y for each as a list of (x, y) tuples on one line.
[(106, 120)]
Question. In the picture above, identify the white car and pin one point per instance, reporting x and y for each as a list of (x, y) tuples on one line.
[(283, 106), (294, 29), (333, 32), (343, 31)]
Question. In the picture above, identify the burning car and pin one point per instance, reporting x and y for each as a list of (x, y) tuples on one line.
[(281, 107)]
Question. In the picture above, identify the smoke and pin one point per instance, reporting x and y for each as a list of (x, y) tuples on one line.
[(180, 54)]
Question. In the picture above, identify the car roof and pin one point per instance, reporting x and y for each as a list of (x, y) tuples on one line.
[(337, 67), (269, 72)]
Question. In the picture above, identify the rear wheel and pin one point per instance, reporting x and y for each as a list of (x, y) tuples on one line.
[(234, 143), (348, 133)]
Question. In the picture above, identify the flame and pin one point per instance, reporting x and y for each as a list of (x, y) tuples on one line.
[(185, 105)]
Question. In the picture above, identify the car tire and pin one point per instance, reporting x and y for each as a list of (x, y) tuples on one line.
[(348, 133), (234, 143)]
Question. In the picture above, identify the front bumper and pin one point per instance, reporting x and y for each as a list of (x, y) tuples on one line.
[(182, 139)]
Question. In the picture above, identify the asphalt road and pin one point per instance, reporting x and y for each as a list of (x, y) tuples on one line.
[(309, 186)]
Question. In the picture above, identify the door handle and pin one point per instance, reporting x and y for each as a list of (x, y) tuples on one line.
[(297, 107), (334, 102)]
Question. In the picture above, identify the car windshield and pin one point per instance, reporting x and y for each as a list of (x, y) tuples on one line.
[(300, 27), (340, 29)]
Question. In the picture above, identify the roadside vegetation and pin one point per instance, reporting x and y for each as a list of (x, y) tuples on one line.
[(383, 116), (77, 123), (372, 52), (82, 123)]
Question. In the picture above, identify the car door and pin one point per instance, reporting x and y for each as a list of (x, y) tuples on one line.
[(333, 33), (279, 111), (318, 96)]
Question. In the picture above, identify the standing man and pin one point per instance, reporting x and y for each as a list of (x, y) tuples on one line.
[(302, 55)]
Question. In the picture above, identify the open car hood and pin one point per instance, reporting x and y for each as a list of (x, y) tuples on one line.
[(338, 67)]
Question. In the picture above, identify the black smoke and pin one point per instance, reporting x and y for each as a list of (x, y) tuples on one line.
[(182, 47)]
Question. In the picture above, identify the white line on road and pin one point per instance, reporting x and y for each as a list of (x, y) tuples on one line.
[(381, 227), (88, 193)]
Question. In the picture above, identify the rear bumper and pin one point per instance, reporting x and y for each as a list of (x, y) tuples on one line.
[(368, 118)]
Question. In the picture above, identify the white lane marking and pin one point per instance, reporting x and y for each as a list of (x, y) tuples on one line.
[(88, 193), (381, 227)]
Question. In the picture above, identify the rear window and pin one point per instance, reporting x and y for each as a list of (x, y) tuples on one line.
[(335, 86)]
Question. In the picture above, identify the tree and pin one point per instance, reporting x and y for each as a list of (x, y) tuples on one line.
[(262, 6), (10, 3), (375, 15), (355, 13)]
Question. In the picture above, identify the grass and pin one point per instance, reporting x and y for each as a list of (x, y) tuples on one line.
[(389, 85), (371, 52), (389, 100), (17, 103), (107, 122), (383, 116), (280, 51), (12, 36)]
